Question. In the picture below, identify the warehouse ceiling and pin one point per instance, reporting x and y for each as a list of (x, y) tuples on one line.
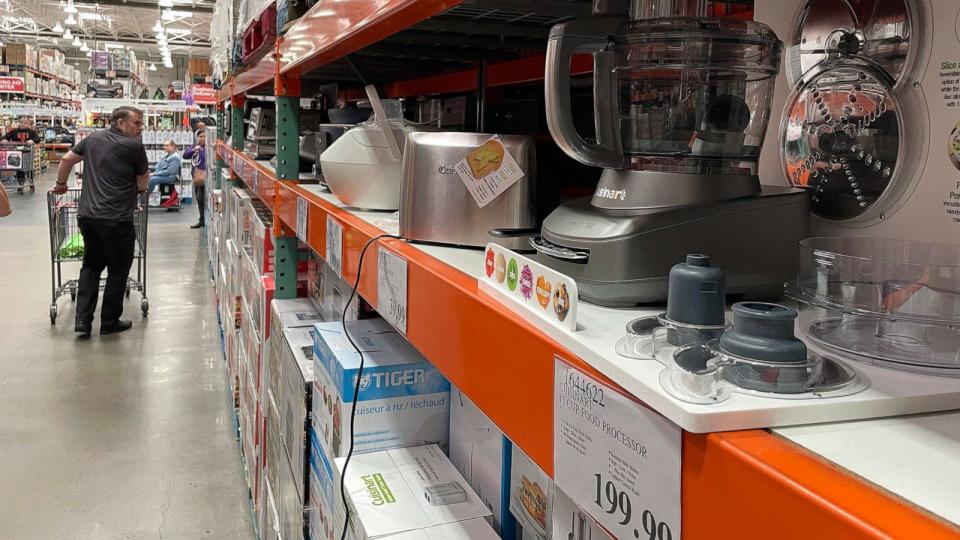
[(110, 24)]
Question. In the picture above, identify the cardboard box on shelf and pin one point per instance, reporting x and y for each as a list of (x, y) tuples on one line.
[(407, 489), (482, 454), (335, 296), (295, 402), (324, 490), (531, 496), (19, 54), (290, 505), (403, 399), (270, 522)]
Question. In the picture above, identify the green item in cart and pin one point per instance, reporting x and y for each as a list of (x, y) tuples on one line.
[(72, 248)]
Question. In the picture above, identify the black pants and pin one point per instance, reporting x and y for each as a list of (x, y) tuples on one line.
[(107, 244), (200, 195)]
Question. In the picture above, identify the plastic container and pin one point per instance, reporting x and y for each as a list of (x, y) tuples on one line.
[(888, 302)]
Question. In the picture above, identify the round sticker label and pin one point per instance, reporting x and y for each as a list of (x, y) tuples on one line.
[(561, 301), (488, 263), (543, 292), (526, 282), (513, 274), (501, 268)]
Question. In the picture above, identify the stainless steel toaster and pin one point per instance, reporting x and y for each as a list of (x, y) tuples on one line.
[(436, 206)]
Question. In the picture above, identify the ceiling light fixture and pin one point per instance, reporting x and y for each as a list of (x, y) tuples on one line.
[(57, 28), (70, 8), (153, 67), (158, 27), (84, 47), (71, 20), (68, 35), (76, 41), (166, 3), (89, 54)]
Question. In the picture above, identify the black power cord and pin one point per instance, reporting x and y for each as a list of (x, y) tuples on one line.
[(356, 384)]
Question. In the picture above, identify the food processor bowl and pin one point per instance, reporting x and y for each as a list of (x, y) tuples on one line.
[(882, 301)]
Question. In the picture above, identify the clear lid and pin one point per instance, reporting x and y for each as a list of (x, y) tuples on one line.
[(881, 278)]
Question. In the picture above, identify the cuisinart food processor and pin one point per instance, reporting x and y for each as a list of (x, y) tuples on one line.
[(681, 103)]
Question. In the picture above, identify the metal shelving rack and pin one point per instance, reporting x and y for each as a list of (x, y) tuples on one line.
[(447, 46)]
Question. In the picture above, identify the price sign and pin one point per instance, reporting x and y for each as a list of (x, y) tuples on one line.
[(392, 288), (334, 251), (302, 213), (615, 458)]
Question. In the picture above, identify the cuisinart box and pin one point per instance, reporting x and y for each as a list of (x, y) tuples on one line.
[(866, 115), (403, 400), (531, 497), (408, 489), (482, 454)]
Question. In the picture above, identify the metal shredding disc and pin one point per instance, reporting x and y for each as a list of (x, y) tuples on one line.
[(880, 30), (841, 140)]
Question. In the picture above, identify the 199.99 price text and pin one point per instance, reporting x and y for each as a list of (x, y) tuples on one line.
[(614, 500)]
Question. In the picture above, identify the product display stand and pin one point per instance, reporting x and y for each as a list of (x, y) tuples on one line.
[(816, 480)]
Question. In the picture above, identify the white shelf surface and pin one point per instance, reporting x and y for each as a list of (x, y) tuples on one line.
[(915, 457)]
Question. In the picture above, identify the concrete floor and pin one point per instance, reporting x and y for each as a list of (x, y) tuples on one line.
[(125, 436)]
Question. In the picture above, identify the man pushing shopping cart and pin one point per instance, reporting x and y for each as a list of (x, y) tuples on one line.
[(115, 173)]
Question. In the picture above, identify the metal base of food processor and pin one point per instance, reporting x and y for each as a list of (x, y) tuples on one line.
[(623, 259)]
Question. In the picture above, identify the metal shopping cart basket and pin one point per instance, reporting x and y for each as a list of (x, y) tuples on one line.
[(66, 246), (17, 167)]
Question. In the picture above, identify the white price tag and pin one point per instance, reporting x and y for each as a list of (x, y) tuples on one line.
[(392, 288), (255, 181), (334, 255), (615, 458), (302, 214)]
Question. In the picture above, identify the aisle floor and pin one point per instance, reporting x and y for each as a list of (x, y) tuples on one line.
[(124, 436)]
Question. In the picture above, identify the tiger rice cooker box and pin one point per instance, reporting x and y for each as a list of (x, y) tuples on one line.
[(404, 490), (531, 497), (403, 400)]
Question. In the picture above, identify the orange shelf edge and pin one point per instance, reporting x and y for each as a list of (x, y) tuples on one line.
[(747, 484)]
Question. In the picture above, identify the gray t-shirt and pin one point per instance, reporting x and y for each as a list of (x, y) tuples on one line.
[(111, 163)]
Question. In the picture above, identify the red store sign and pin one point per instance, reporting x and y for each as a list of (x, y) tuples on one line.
[(12, 85), (204, 94)]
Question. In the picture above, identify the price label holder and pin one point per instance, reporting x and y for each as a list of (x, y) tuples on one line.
[(334, 248), (529, 288), (615, 458), (255, 179), (392, 288), (302, 217)]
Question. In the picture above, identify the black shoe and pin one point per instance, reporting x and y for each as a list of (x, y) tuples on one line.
[(115, 328), (83, 329), (197, 225)]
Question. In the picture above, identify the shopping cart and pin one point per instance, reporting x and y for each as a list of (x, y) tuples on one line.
[(66, 246), (17, 166)]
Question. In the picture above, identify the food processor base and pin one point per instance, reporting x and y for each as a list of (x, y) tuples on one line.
[(623, 259)]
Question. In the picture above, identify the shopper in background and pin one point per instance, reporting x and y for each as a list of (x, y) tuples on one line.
[(201, 128), (198, 155), (115, 170), (23, 134), (167, 169)]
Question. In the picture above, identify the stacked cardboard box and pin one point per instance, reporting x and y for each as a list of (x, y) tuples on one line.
[(412, 493), (402, 400)]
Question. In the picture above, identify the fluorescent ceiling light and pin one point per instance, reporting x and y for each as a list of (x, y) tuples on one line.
[(57, 28), (70, 8), (91, 17), (71, 20), (153, 67), (68, 35), (112, 46)]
